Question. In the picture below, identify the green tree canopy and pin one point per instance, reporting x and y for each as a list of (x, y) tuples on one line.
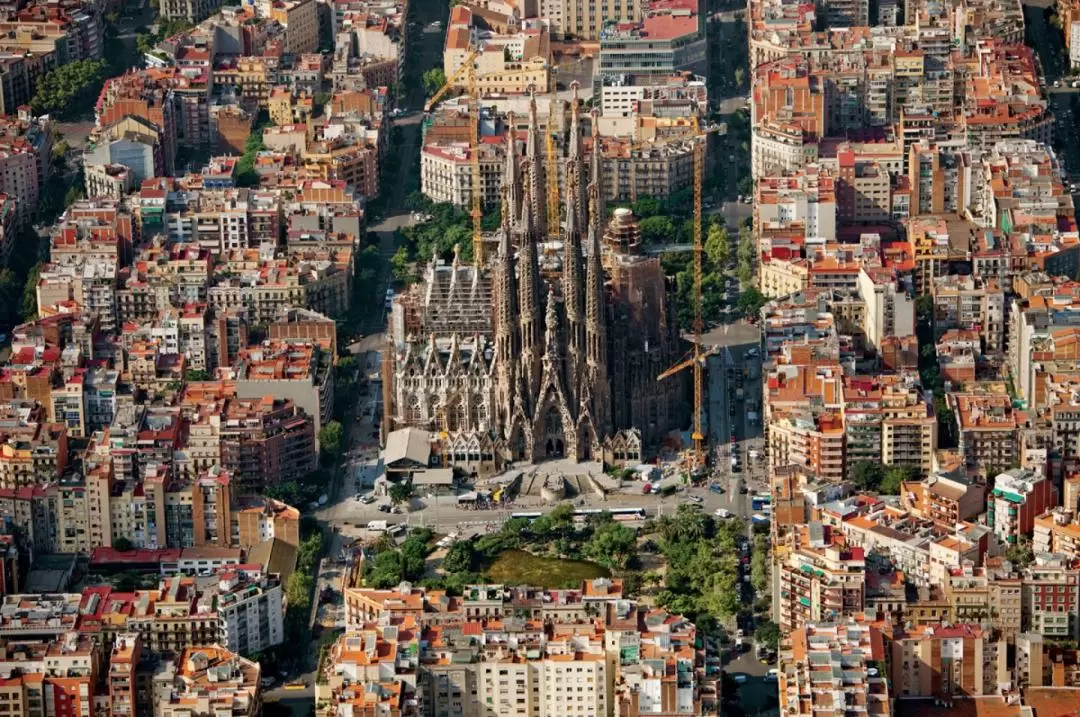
[(657, 230), (433, 80), (330, 437), (750, 302), (768, 634), (68, 89), (718, 246), (460, 558), (612, 544), (401, 491)]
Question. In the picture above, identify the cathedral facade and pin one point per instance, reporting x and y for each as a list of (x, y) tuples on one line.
[(552, 348)]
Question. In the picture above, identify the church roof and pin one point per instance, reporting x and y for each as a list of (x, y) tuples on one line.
[(410, 443)]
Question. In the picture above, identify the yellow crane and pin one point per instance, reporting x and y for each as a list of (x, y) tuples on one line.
[(697, 356), (466, 74)]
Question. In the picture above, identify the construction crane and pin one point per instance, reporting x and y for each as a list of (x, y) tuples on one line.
[(466, 74), (697, 356)]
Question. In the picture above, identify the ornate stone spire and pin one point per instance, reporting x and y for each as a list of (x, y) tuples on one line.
[(512, 176), (534, 158), (551, 327), (573, 290), (575, 163), (507, 337), (597, 208), (529, 293), (596, 349)]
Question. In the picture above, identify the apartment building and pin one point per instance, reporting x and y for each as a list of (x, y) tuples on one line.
[(890, 309), (946, 662), (446, 172), (971, 304), (251, 611), (819, 577), (193, 11), (813, 441), (805, 201), (1057, 532), (887, 419), (941, 178), (299, 371), (1041, 664), (587, 20), (263, 440), (300, 20), (126, 687), (1018, 496), (32, 451), (1051, 597), (921, 549), (212, 675), (987, 429), (51, 678), (138, 95), (984, 595), (945, 498), (813, 657), (519, 650)]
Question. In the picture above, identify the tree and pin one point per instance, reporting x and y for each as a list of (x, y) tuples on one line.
[(646, 207), (122, 545), (768, 634), (401, 491), (747, 246), (740, 75), (718, 246), (759, 571), (750, 302), (298, 590), (895, 476), (197, 375), (460, 558), (433, 80), (29, 308), (867, 475), (10, 296), (69, 88), (657, 230), (1020, 553), (400, 263), (330, 439), (613, 545), (745, 273)]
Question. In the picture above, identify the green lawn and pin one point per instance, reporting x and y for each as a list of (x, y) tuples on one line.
[(516, 567)]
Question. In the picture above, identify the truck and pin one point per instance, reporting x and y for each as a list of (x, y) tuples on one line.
[(758, 519), (377, 526)]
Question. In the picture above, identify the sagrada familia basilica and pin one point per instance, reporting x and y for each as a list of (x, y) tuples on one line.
[(552, 347)]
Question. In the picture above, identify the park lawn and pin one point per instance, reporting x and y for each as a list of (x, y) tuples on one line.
[(517, 567)]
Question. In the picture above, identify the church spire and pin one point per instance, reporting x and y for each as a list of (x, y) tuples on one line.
[(551, 327), (575, 164), (572, 292), (597, 210), (512, 175), (535, 162), (507, 338), (596, 384), (529, 293)]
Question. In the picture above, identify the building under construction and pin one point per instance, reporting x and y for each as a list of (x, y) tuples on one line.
[(552, 348)]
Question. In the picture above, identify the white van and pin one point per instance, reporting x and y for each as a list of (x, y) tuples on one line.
[(377, 526)]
